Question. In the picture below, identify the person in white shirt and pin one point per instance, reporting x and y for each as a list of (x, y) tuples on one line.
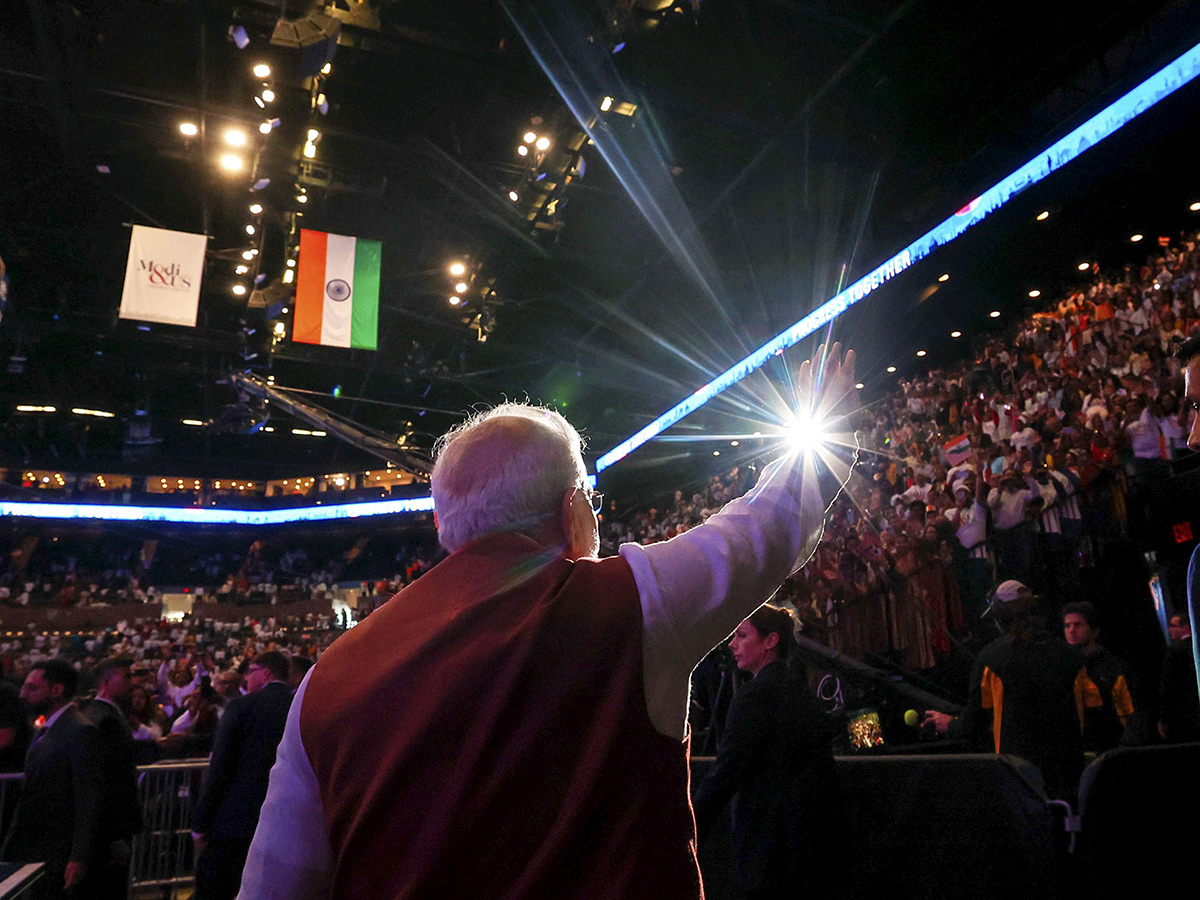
[(1144, 436), (693, 590), (969, 518), (1013, 539)]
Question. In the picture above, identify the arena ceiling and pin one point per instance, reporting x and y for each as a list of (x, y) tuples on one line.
[(774, 148)]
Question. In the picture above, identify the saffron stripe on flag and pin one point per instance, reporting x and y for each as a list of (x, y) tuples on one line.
[(310, 288), (367, 258), (339, 290)]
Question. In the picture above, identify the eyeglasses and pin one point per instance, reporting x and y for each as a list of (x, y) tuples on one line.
[(595, 498)]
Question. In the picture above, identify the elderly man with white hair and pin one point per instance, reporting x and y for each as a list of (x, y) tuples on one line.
[(514, 723)]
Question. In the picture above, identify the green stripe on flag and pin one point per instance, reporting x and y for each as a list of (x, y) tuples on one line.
[(364, 323)]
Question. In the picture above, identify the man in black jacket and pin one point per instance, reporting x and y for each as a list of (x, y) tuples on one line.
[(122, 813), (58, 817), (235, 784), (1025, 695)]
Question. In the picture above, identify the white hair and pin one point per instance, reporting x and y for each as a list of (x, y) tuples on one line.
[(504, 469)]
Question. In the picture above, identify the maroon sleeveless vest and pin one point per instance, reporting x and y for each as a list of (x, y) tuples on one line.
[(485, 734)]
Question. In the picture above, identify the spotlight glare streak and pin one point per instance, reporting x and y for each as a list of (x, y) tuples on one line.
[(1161, 84), (635, 157)]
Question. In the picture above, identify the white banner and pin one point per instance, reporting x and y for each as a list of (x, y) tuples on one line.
[(162, 277)]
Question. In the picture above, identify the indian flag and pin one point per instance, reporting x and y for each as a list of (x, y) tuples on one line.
[(958, 450), (337, 291)]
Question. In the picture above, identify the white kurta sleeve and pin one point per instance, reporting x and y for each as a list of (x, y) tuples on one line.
[(290, 857), (697, 587)]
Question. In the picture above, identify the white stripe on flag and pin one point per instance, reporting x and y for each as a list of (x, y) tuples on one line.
[(339, 291)]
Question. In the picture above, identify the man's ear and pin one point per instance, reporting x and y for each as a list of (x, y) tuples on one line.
[(578, 524)]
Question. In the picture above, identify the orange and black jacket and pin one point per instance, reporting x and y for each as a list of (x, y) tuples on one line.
[(1026, 700)]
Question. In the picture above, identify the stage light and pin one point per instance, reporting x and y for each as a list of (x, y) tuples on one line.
[(289, 275), (39, 409), (327, 68), (716, 453), (268, 95), (261, 184), (529, 137), (259, 102), (237, 34), (956, 334), (310, 149), (1083, 267), (1136, 237), (264, 128), (920, 353), (262, 70), (302, 198), (235, 138), (249, 254), (1034, 294), (232, 162), (514, 196), (606, 104), (291, 263), (192, 422), (314, 135), (239, 290), (543, 144), (250, 229), (454, 300), (280, 329), (1163, 83), (1195, 207), (241, 270), (460, 288), (457, 269), (189, 129), (891, 370), (995, 314), (522, 150), (945, 277), (255, 209), (859, 386), (283, 312), (1043, 215), (98, 413), (805, 433), (322, 104)]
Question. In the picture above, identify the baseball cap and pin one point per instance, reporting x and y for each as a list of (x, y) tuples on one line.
[(1008, 591)]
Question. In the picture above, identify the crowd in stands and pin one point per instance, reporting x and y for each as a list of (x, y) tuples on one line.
[(1016, 463), (86, 571), (183, 673)]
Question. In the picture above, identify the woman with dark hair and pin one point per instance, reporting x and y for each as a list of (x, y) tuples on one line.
[(774, 760)]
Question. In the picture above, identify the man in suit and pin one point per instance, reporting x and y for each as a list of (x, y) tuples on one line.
[(235, 784), (58, 818), (122, 817)]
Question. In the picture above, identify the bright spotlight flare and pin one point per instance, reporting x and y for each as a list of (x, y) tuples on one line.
[(824, 401), (805, 433)]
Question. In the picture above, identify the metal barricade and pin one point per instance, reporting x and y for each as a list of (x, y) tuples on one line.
[(162, 855), (162, 859)]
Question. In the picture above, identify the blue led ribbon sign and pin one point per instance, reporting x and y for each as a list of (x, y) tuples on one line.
[(1117, 114)]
